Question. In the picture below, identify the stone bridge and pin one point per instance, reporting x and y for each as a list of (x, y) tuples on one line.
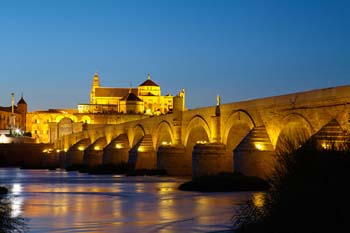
[(240, 136)]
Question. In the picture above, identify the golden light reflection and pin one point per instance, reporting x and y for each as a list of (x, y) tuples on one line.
[(97, 148), (4, 139), (165, 143), (65, 149), (140, 187), (141, 149), (81, 148), (259, 146), (325, 145), (201, 142), (118, 146), (259, 199)]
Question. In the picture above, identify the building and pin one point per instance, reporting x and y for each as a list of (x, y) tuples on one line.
[(145, 99), (107, 106), (14, 117)]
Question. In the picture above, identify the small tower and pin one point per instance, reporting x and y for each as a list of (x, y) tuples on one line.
[(95, 84), (179, 102), (22, 108)]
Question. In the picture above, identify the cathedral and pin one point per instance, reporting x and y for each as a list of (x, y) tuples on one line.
[(108, 105), (145, 99)]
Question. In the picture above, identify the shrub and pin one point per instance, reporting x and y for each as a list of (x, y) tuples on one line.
[(308, 193), (9, 223)]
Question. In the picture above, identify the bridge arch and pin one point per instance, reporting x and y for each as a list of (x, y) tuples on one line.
[(86, 119), (236, 127), (197, 130), (137, 134), (163, 134), (60, 117), (295, 130), (98, 144), (81, 145)]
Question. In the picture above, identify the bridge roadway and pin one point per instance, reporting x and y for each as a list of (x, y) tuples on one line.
[(240, 136)]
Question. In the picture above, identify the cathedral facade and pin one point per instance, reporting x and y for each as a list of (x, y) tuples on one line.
[(145, 99), (108, 105)]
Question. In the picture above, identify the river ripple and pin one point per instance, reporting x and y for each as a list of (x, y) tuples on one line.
[(59, 202)]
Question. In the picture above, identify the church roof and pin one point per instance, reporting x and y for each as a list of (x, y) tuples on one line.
[(8, 109), (132, 97), (149, 82), (113, 92), (21, 101)]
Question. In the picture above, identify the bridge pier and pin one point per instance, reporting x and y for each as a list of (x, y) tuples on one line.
[(117, 151), (210, 159), (143, 155), (332, 136), (93, 154), (62, 158), (75, 154), (173, 159), (255, 155), (50, 159), (93, 157)]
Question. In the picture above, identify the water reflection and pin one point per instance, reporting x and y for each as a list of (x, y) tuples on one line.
[(258, 199), (73, 202), (16, 200)]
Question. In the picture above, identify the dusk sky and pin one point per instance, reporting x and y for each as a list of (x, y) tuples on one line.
[(247, 49)]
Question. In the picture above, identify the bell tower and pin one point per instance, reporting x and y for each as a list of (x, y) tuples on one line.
[(95, 84)]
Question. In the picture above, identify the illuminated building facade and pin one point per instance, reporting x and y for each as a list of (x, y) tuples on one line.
[(14, 117), (107, 106), (145, 99), (47, 126)]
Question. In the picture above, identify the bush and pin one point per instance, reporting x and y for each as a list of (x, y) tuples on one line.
[(9, 223), (3, 190), (308, 193)]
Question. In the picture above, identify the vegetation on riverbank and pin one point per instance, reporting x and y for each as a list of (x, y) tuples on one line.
[(225, 182), (3, 190), (9, 223), (309, 193)]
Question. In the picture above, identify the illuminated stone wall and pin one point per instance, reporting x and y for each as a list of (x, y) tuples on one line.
[(272, 117), (48, 126)]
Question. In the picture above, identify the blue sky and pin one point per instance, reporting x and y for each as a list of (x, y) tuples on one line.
[(247, 49)]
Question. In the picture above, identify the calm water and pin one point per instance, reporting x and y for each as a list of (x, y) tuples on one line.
[(59, 201)]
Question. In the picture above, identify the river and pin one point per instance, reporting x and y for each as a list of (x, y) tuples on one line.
[(60, 201)]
